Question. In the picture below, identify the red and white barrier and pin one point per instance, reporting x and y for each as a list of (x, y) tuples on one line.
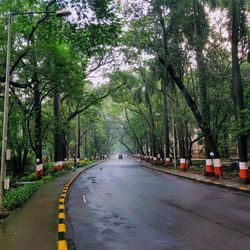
[(39, 170), (209, 170), (217, 168), (183, 164), (58, 165), (167, 161), (154, 160), (244, 175)]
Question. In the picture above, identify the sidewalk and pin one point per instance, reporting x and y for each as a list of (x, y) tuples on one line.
[(224, 183), (34, 226)]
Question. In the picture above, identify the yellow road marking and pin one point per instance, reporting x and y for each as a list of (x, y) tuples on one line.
[(62, 200), (61, 206), (62, 228), (62, 245), (61, 216)]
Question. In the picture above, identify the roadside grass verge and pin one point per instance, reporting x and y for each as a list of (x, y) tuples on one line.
[(23, 187)]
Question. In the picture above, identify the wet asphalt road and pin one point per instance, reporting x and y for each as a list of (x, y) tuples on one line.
[(119, 205)]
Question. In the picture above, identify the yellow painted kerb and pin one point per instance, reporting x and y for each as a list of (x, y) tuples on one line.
[(61, 228), (62, 245), (61, 206), (61, 216), (62, 200)]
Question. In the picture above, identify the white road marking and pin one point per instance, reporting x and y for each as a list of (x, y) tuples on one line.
[(84, 198)]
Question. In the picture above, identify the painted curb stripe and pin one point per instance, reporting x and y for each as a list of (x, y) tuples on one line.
[(61, 206), (61, 234), (61, 221), (62, 245), (62, 228), (61, 216)]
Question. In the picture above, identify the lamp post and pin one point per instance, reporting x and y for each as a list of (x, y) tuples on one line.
[(59, 13)]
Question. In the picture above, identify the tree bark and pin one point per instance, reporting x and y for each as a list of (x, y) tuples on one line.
[(237, 88), (152, 131), (58, 145), (140, 147), (191, 103), (205, 107), (38, 121), (78, 136), (166, 124)]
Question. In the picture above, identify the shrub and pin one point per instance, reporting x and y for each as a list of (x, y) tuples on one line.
[(59, 173), (15, 197), (30, 177), (86, 162), (46, 179), (48, 168)]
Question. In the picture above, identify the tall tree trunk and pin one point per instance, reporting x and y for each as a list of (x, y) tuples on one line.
[(191, 103), (237, 88), (58, 155), (78, 136), (37, 111), (180, 135), (38, 121), (201, 68), (152, 124), (140, 147), (86, 144), (166, 124)]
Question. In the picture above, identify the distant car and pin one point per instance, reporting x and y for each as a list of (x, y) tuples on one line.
[(120, 156)]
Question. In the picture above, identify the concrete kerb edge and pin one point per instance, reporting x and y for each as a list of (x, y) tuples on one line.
[(61, 228), (208, 182)]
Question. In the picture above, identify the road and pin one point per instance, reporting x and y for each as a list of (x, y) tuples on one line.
[(120, 205)]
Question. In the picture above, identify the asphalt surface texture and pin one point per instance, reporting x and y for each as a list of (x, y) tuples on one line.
[(120, 205)]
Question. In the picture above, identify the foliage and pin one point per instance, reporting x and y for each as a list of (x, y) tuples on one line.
[(15, 197), (46, 179), (30, 177)]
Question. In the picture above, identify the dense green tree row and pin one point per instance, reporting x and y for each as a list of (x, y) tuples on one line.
[(49, 63), (186, 79), (191, 78)]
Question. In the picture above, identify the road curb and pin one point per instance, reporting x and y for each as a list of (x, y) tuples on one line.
[(206, 181), (61, 228)]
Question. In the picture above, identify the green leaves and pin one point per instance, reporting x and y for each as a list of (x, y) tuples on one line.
[(17, 196)]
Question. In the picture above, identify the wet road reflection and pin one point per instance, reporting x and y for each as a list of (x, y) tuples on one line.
[(120, 205)]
